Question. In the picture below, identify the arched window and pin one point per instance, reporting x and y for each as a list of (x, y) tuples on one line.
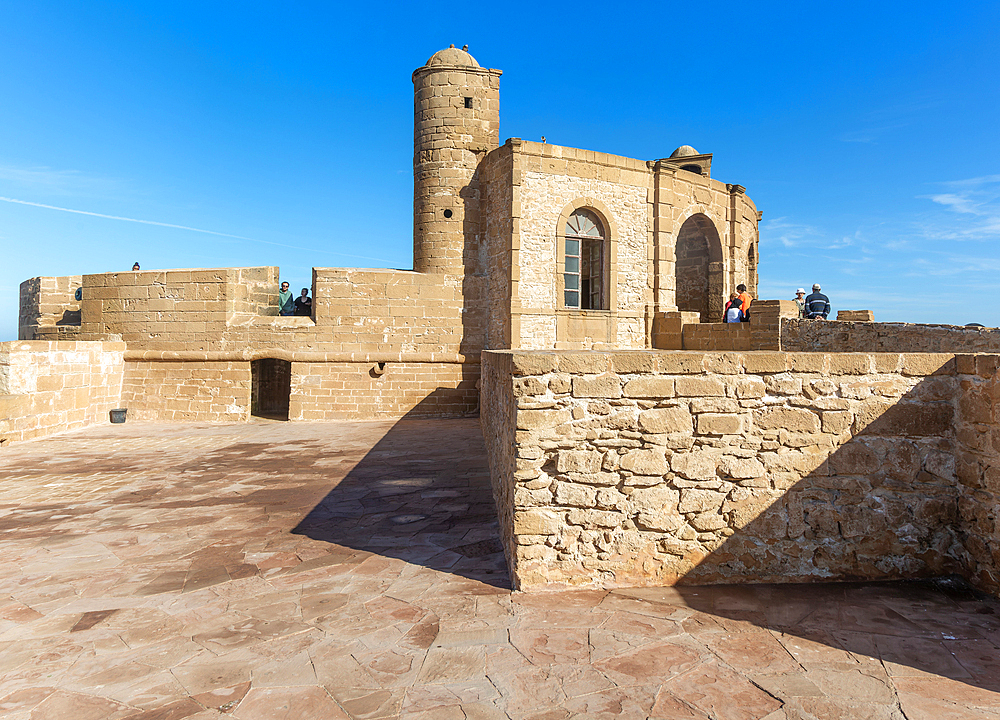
[(583, 275)]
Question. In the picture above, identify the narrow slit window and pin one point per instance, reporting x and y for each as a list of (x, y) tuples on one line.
[(468, 103), (584, 270)]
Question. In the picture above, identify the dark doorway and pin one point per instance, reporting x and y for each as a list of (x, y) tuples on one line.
[(271, 386), (698, 270)]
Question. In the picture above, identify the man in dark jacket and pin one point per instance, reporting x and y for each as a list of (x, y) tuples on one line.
[(817, 304)]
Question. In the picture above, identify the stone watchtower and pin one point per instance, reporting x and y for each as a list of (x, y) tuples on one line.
[(456, 121)]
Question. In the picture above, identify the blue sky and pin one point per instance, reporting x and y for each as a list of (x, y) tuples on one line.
[(866, 132)]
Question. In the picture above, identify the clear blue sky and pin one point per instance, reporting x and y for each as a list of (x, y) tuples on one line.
[(868, 133)]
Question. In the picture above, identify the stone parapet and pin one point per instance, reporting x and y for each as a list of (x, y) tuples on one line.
[(48, 387), (653, 468)]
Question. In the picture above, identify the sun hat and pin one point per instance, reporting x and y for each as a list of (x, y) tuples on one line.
[(800, 290)]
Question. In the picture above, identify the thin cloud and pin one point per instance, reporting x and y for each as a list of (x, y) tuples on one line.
[(183, 227), (977, 200)]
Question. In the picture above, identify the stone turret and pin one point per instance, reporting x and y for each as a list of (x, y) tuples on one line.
[(456, 121)]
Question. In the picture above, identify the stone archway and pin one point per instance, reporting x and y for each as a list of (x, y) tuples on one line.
[(698, 270)]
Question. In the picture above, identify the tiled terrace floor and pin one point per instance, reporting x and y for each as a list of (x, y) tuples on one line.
[(351, 571)]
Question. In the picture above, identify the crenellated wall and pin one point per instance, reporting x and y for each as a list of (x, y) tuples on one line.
[(653, 468)]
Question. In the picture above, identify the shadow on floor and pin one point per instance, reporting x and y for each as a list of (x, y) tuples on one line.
[(422, 495), (943, 627)]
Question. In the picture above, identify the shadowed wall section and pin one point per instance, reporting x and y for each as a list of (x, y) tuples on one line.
[(654, 468)]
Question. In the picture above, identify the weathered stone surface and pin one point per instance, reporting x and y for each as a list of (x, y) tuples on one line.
[(699, 387), (575, 495), (593, 519), (581, 461), (602, 386), (694, 500), (538, 522), (650, 387), (741, 467), (716, 424), (538, 419), (665, 420), (792, 419), (645, 462), (695, 465)]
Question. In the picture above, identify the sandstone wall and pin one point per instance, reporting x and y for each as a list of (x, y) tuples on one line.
[(978, 467), (187, 391), (658, 467), (48, 308), (362, 391), (840, 336), (501, 172), (48, 387), (617, 188), (498, 420)]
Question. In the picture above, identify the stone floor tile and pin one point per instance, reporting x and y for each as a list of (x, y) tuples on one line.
[(356, 567), (722, 694), (289, 703), (78, 706)]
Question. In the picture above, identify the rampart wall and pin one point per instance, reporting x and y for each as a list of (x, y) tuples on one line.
[(651, 468), (47, 387)]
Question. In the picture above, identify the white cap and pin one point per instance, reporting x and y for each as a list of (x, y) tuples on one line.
[(800, 290), (817, 287)]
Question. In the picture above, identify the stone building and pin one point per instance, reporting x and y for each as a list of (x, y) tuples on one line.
[(632, 438), (524, 245)]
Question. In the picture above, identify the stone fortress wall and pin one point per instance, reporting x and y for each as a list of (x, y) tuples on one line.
[(48, 387), (619, 457), (652, 468)]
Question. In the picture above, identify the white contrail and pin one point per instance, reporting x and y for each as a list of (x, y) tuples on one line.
[(184, 227)]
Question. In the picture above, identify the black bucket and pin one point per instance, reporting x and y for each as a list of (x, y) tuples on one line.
[(118, 415)]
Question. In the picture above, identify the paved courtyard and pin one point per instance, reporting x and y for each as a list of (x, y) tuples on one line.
[(351, 570)]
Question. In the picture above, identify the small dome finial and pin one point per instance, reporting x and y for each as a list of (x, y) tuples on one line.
[(466, 48), (452, 45)]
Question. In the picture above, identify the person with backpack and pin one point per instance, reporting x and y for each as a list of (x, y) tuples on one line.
[(817, 304), (734, 309)]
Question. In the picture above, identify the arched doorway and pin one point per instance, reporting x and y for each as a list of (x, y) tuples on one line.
[(698, 269), (270, 388)]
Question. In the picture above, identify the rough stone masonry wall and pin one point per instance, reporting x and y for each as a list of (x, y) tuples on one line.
[(48, 387), (839, 336), (648, 468), (978, 467)]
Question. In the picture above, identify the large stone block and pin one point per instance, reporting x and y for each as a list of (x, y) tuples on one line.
[(719, 424), (694, 500), (595, 519), (581, 461), (695, 465), (665, 420), (650, 387), (538, 522), (784, 418), (602, 386), (908, 419), (645, 462), (575, 495), (700, 387), (741, 468), (539, 419)]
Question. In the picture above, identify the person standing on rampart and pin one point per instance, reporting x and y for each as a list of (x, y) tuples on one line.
[(800, 301), (745, 300), (303, 303), (817, 304), (286, 301)]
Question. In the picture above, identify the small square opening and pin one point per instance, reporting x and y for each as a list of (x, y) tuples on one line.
[(468, 102)]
